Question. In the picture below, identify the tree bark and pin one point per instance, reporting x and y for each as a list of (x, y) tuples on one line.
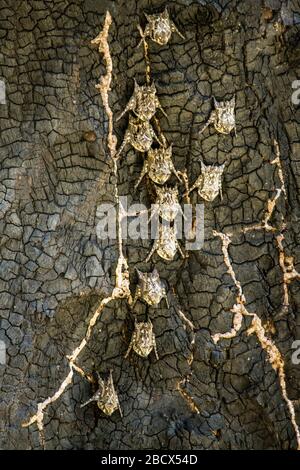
[(55, 172)]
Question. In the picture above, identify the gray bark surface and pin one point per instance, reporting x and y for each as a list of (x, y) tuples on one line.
[(54, 269)]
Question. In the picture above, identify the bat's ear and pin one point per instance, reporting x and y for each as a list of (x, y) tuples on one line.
[(153, 87), (232, 101), (169, 149), (165, 13), (136, 85), (203, 167), (221, 168), (100, 380), (155, 273), (139, 273), (148, 17), (216, 102)]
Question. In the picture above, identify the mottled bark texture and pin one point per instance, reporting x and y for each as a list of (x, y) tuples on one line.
[(54, 270)]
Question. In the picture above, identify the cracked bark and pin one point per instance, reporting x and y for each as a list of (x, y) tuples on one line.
[(54, 271)]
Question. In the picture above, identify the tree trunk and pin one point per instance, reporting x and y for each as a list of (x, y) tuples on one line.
[(56, 170)]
